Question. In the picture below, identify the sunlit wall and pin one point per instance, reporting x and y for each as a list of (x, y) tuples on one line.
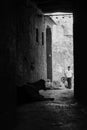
[(62, 44)]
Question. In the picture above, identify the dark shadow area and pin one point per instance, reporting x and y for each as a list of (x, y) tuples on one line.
[(29, 92), (14, 21)]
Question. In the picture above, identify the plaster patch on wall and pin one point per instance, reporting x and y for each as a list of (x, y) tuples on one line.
[(60, 69)]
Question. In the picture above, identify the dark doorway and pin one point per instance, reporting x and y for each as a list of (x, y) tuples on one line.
[(49, 52)]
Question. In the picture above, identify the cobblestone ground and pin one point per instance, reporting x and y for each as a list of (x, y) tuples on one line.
[(60, 114)]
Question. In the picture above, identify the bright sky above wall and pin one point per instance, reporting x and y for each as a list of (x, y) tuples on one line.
[(58, 13)]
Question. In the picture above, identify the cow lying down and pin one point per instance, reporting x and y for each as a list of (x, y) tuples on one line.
[(29, 92)]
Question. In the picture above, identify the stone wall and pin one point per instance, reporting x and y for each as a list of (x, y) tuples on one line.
[(31, 54), (22, 58), (62, 45)]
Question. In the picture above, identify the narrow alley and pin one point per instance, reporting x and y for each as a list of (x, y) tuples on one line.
[(60, 114), (37, 85)]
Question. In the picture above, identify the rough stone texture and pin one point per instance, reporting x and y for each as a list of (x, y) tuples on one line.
[(62, 45)]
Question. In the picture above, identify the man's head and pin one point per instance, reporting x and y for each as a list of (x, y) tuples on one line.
[(68, 67)]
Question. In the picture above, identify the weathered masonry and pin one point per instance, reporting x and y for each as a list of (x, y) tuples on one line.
[(31, 45), (23, 50)]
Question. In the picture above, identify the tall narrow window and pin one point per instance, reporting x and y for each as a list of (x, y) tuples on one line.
[(37, 35), (42, 38)]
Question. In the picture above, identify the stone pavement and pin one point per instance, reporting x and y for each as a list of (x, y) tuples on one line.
[(60, 114)]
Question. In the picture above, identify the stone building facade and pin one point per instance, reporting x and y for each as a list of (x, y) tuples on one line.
[(31, 45)]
